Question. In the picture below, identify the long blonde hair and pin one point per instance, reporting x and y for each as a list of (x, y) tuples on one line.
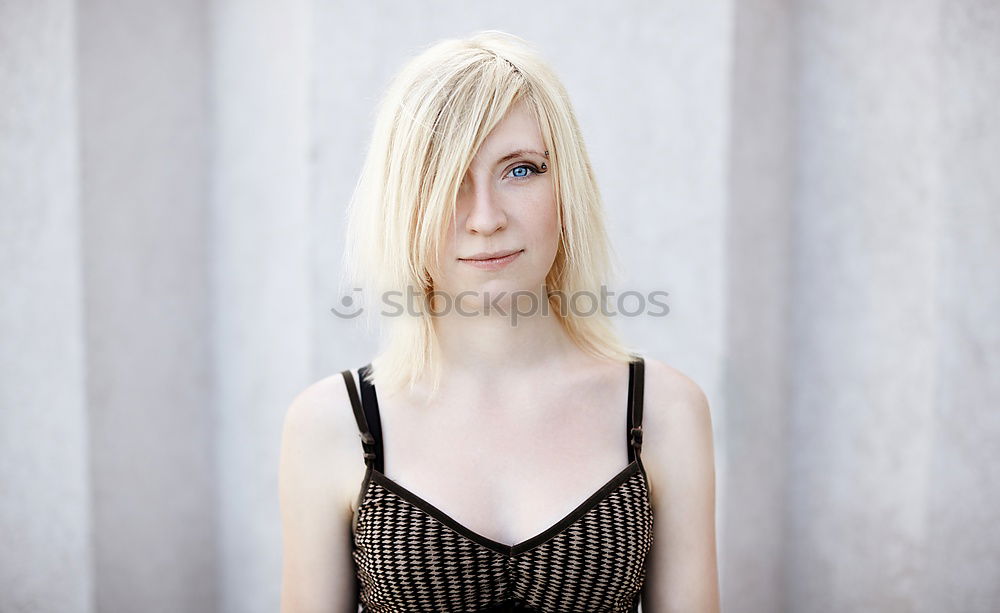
[(433, 118)]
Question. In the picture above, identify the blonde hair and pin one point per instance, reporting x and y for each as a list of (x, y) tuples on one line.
[(433, 118)]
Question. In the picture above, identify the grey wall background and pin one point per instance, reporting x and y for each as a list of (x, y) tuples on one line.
[(814, 182)]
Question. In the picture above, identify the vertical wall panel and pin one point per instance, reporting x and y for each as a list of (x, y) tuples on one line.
[(144, 171), (261, 276), (45, 546), (758, 236), (863, 284), (962, 533)]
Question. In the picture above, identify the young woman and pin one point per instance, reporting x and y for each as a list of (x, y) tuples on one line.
[(515, 456)]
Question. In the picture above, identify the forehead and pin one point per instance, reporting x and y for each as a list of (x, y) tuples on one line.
[(517, 130)]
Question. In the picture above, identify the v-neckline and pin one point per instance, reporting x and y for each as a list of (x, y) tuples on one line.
[(634, 467)]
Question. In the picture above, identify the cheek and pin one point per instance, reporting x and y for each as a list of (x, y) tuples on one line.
[(548, 218), (544, 223), (449, 247)]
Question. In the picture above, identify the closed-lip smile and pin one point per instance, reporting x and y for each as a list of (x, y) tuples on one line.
[(492, 262), (483, 255)]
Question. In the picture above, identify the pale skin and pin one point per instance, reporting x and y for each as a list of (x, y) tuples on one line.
[(522, 415)]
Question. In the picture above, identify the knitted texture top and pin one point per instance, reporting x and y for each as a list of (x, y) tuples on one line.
[(411, 557)]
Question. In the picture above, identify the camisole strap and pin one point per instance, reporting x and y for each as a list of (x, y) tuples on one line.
[(636, 379), (368, 442), (369, 402)]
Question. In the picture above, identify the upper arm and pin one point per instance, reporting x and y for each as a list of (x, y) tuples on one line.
[(678, 454), (315, 471)]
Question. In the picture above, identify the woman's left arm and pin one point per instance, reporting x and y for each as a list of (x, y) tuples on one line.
[(678, 454)]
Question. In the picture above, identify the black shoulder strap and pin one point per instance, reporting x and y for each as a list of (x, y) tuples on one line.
[(636, 379), (369, 402), (367, 439)]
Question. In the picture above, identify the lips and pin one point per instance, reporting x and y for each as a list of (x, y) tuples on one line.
[(481, 256), (493, 264)]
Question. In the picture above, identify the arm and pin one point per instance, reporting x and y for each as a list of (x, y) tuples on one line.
[(320, 458), (678, 455)]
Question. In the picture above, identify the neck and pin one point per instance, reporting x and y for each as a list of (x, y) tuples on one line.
[(504, 341)]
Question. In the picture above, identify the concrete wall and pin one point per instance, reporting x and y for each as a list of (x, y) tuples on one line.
[(262, 277), (45, 536), (893, 238), (961, 537), (142, 97), (810, 180), (753, 401)]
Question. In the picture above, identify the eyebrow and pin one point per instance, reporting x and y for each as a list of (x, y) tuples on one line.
[(518, 153)]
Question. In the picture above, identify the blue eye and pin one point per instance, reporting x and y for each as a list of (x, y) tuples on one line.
[(517, 173)]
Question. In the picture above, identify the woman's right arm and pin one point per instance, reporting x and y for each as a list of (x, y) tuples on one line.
[(321, 457)]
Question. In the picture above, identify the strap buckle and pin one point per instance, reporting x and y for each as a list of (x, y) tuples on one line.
[(368, 442), (636, 433)]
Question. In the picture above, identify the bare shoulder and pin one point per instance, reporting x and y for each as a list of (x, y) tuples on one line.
[(679, 458), (677, 448), (667, 388), (319, 436), (315, 487)]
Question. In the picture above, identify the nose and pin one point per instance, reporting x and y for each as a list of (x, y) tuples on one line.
[(485, 211)]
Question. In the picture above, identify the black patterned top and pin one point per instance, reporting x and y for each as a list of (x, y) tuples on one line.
[(412, 557)]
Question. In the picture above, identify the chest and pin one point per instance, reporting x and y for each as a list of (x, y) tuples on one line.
[(539, 503), (507, 471)]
